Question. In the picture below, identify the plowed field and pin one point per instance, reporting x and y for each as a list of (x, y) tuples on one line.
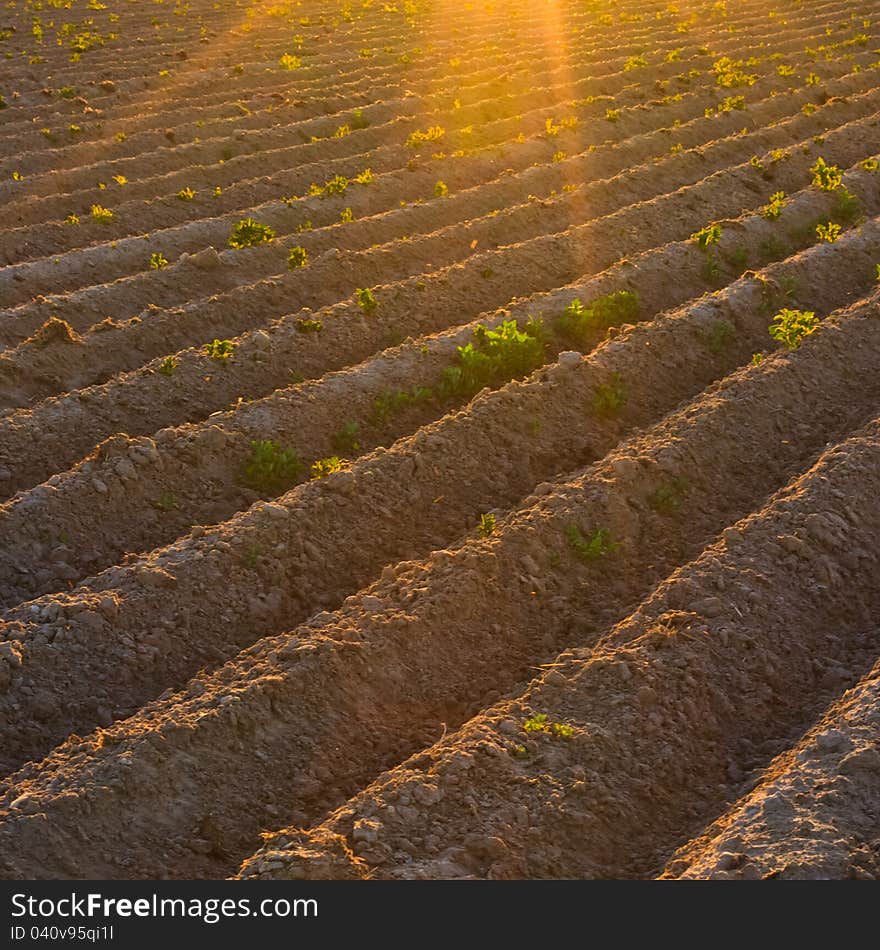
[(440, 440)]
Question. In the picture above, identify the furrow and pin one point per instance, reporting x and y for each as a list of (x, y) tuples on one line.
[(646, 733), (422, 647)]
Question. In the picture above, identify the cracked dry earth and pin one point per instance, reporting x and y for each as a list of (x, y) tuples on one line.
[(611, 612)]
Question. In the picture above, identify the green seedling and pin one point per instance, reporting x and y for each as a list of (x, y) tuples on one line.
[(773, 209), (102, 215), (707, 236), (829, 232), (365, 299), (271, 469), (248, 233), (298, 257), (720, 336), (337, 185), (324, 467), (826, 177), (346, 440), (578, 322), (847, 207), (168, 365), (220, 350), (609, 398), (166, 501), (594, 548), (417, 139), (388, 404), (495, 357), (541, 723), (668, 497), (790, 327), (487, 525)]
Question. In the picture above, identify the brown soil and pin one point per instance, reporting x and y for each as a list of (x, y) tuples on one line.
[(610, 612)]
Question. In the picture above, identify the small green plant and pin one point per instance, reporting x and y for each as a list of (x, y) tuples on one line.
[(249, 232), (707, 236), (597, 546), (220, 350), (773, 248), (486, 525), (358, 120), (668, 497), (186, 194), (337, 185), (871, 164), (730, 73), (789, 284), (271, 468), (757, 359), (789, 327), (826, 177), (738, 258), (167, 366), (102, 215), (773, 209), (346, 440), (730, 104), (847, 207), (387, 404), (417, 139), (541, 723), (298, 257), (829, 232), (289, 61), (441, 189), (158, 261), (494, 357), (72, 219), (324, 467), (346, 216), (720, 336), (536, 723), (365, 299), (166, 501), (307, 325), (609, 398), (578, 322)]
